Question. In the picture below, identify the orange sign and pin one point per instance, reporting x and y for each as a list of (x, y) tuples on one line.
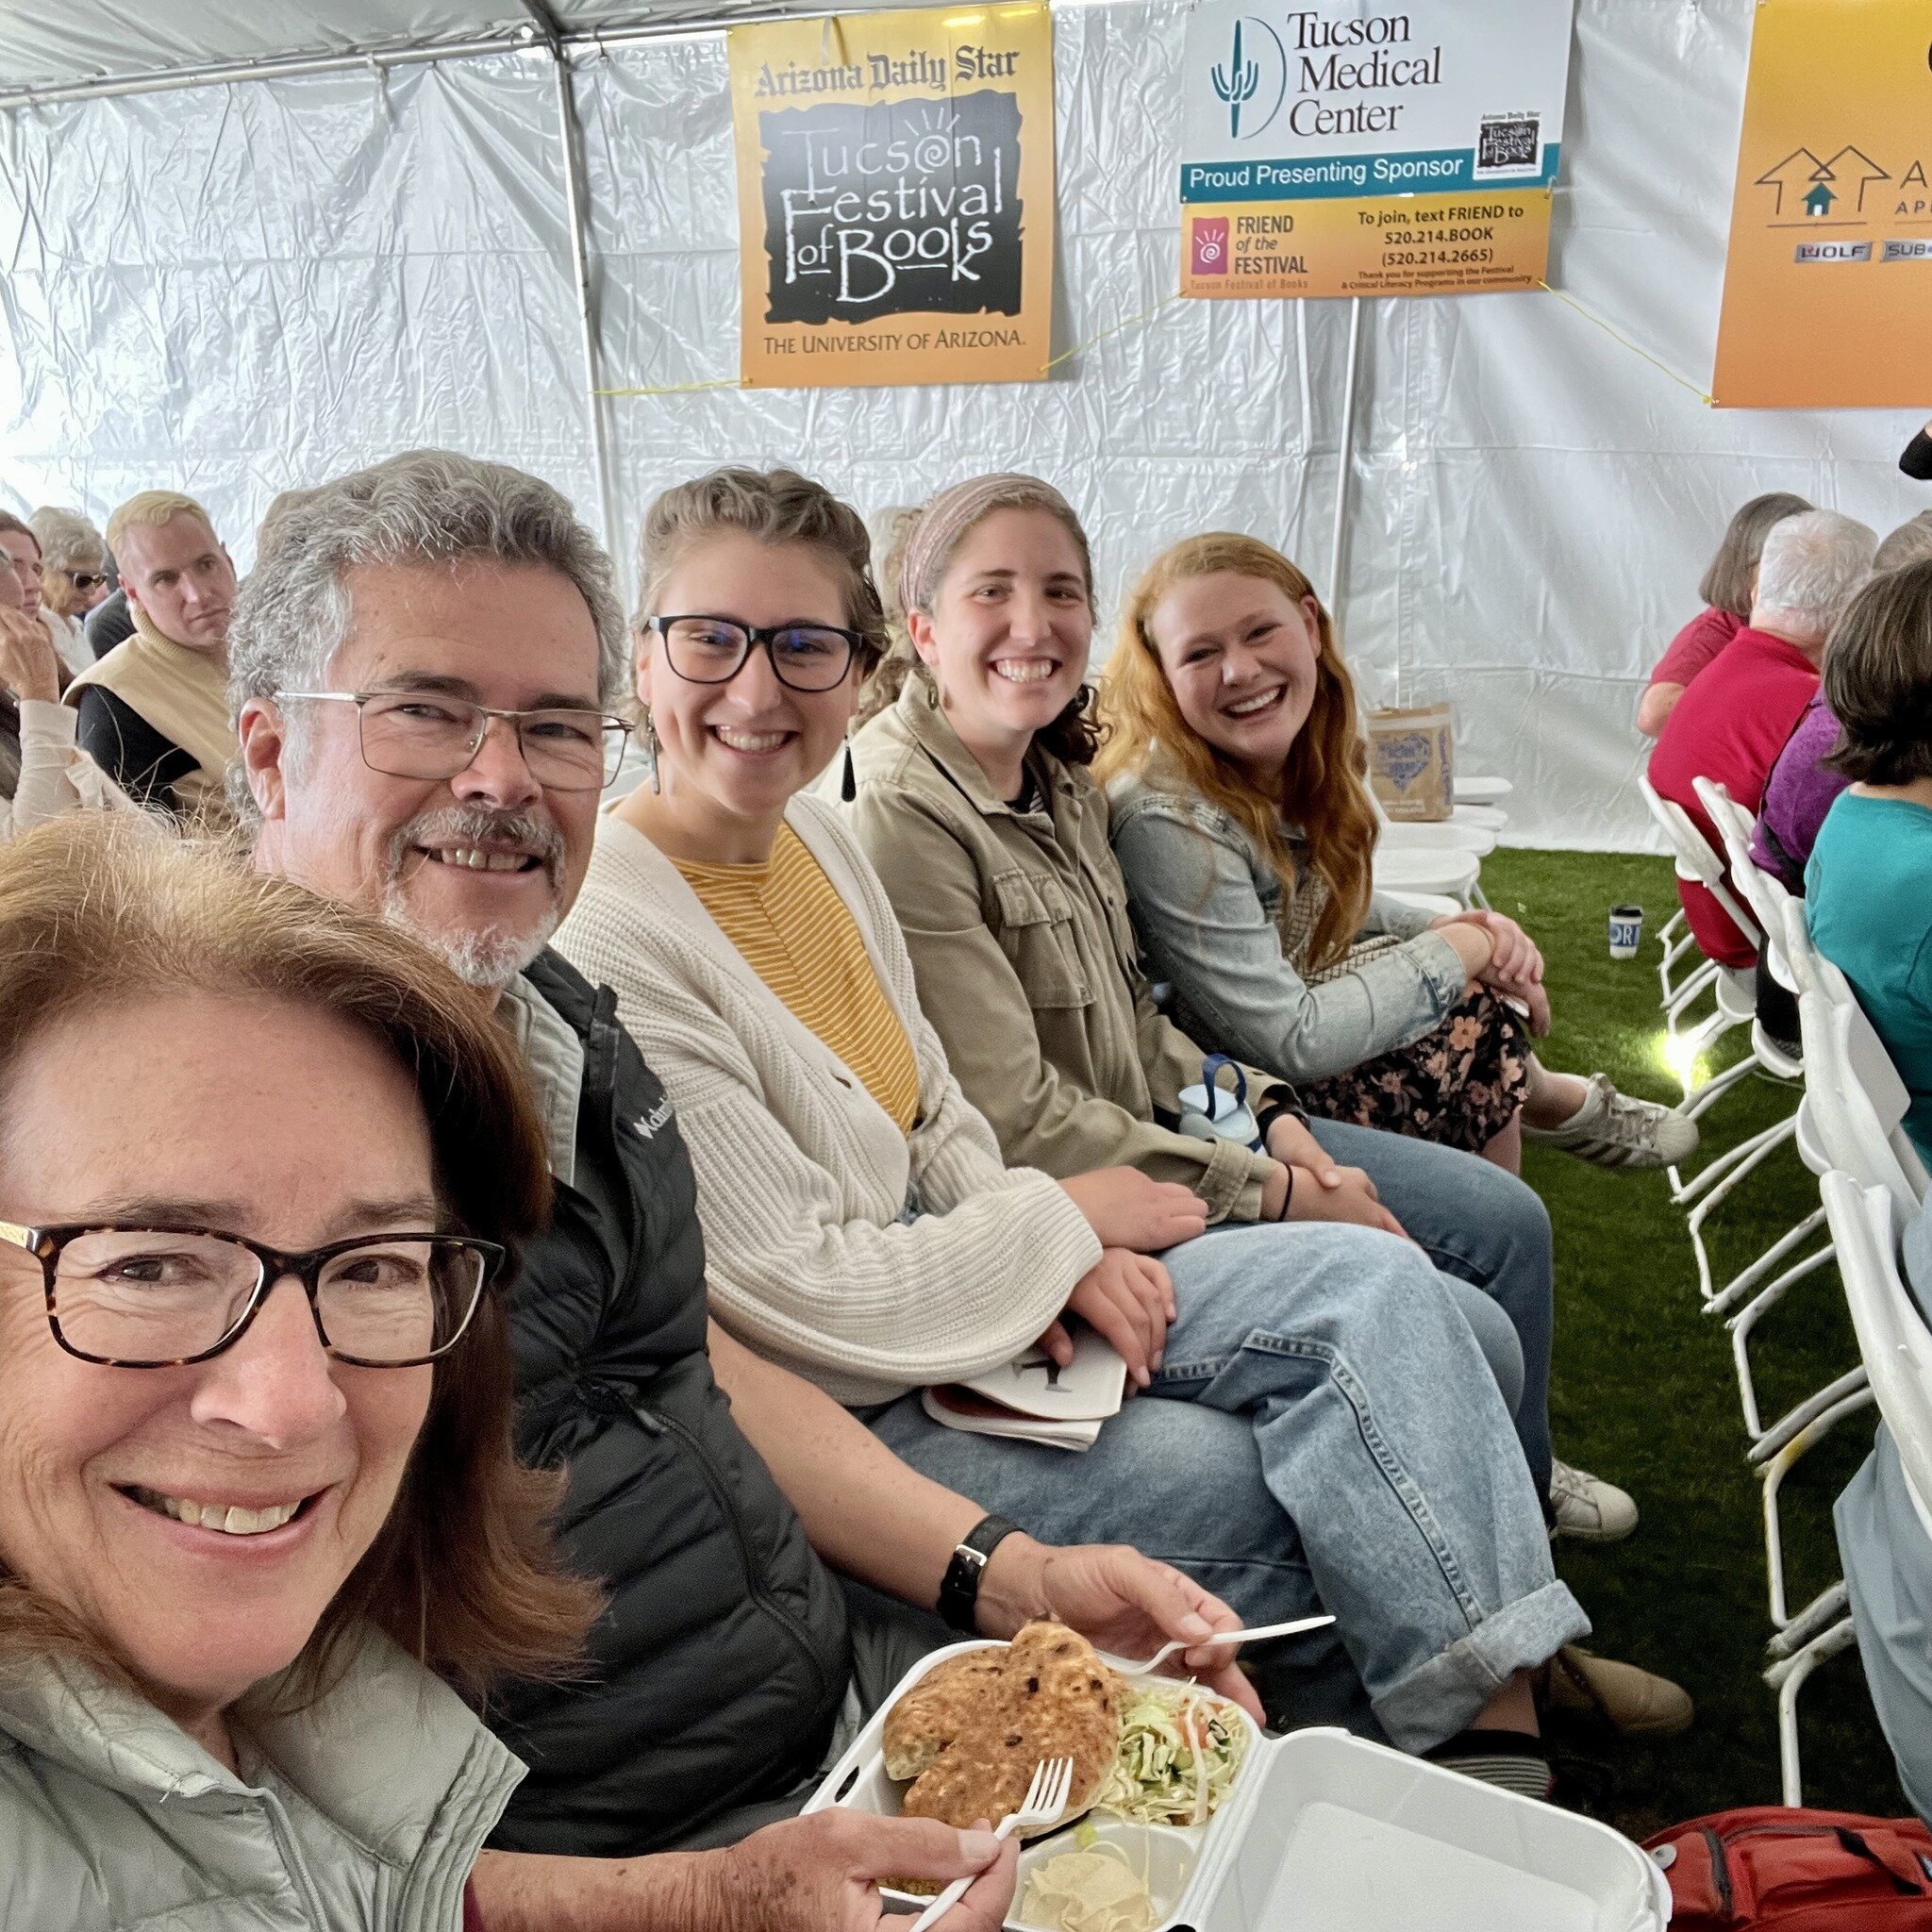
[(896, 197), (1410, 245), (1828, 283)]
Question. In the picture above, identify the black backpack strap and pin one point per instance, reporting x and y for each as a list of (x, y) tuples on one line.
[(1852, 1843)]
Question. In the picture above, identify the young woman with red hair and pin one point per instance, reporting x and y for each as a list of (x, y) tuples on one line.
[(1243, 826)]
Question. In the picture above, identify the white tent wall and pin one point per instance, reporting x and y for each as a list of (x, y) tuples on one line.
[(237, 289)]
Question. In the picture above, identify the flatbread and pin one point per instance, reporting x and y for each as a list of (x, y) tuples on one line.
[(981, 1734), (929, 1716)]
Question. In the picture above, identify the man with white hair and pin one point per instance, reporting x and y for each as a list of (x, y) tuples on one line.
[(153, 712), (1735, 716), (426, 660)]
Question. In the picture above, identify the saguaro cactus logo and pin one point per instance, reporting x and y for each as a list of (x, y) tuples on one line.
[(1236, 84)]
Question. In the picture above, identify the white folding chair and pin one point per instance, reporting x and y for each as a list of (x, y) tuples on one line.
[(1857, 1100), (1850, 1131), (1733, 999), (1675, 935), (1442, 870), (1720, 1176), (1897, 1350)]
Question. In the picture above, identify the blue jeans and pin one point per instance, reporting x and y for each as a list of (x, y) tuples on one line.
[(1486, 1227), (1323, 1432)]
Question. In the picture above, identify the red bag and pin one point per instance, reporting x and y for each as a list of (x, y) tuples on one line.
[(1770, 1866)]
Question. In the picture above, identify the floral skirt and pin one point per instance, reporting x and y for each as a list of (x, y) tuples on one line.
[(1460, 1084)]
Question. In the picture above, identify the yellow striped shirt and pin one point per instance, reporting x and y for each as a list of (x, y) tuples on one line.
[(796, 933)]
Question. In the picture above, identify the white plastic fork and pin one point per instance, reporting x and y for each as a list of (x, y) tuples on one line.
[(1046, 1798), (1221, 1637)]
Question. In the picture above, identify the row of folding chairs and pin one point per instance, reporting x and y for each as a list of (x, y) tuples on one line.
[(1849, 1103), (1438, 866)]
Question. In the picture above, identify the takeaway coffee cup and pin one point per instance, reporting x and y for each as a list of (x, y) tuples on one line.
[(1627, 931), (1211, 1113)]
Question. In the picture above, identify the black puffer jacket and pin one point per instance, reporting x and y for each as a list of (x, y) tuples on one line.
[(723, 1657)]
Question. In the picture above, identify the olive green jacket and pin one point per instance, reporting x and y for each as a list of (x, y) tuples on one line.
[(1025, 961)]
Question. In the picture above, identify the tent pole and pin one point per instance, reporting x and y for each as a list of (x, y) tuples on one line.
[(1345, 466), (276, 68), (571, 132)]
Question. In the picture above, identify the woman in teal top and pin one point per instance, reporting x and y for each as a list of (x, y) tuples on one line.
[(1868, 888)]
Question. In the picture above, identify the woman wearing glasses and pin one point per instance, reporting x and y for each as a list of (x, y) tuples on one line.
[(257, 1500), (859, 1223)]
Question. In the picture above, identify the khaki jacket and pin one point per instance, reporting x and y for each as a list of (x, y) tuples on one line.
[(1026, 962)]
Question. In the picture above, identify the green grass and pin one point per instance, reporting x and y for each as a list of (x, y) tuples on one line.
[(1644, 1393)]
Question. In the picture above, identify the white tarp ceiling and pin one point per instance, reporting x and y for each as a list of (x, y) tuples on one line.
[(90, 41), (235, 290)]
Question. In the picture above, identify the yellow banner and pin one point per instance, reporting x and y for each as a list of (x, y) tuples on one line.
[(896, 197), (1407, 244), (1828, 282)]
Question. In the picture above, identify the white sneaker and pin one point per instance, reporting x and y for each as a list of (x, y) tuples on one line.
[(1615, 1130), (1589, 1508)]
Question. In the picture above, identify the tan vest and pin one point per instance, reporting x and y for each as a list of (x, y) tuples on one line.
[(184, 695)]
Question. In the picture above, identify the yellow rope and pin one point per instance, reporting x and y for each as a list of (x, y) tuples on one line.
[(1067, 354), (673, 389), (1682, 382)]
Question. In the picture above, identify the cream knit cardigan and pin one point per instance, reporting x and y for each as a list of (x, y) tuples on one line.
[(801, 1176)]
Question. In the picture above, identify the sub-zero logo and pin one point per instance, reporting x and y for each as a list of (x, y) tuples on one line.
[(1210, 244)]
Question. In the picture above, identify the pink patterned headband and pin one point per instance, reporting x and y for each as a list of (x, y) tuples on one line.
[(949, 515)]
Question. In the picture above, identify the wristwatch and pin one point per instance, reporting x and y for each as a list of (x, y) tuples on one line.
[(959, 1587)]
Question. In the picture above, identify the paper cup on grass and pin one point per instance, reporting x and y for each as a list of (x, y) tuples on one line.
[(1627, 931)]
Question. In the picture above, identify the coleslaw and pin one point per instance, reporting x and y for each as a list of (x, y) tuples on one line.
[(1180, 1747)]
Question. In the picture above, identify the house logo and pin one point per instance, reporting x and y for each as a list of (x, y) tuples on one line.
[(1251, 81), (1209, 237)]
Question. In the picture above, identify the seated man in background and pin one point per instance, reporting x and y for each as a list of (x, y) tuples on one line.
[(1868, 888), (72, 579), (1734, 719), (153, 712), (424, 658), (1803, 784), (108, 622)]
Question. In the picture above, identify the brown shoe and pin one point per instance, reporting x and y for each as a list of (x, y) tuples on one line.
[(1633, 1702)]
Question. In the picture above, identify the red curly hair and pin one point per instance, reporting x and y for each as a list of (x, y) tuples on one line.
[(1323, 789)]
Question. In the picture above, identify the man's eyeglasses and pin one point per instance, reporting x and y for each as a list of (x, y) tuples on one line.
[(414, 734), (156, 1298), (84, 579), (713, 650)]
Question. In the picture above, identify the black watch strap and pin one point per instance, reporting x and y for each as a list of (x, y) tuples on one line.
[(960, 1587)]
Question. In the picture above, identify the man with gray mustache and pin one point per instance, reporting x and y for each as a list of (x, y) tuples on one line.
[(424, 662)]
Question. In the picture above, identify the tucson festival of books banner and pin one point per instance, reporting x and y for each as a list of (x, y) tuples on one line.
[(895, 178)]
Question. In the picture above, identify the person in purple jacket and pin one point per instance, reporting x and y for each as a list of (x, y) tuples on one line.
[(1800, 788)]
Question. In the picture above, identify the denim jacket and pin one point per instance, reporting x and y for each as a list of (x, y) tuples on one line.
[(1205, 901)]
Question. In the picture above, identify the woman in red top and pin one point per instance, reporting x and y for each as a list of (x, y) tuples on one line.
[(1726, 589)]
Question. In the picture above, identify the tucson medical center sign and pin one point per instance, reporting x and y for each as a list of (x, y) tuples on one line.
[(1336, 150), (895, 196)]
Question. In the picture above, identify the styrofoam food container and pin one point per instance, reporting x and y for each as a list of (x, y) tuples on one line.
[(1325, 1832)]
